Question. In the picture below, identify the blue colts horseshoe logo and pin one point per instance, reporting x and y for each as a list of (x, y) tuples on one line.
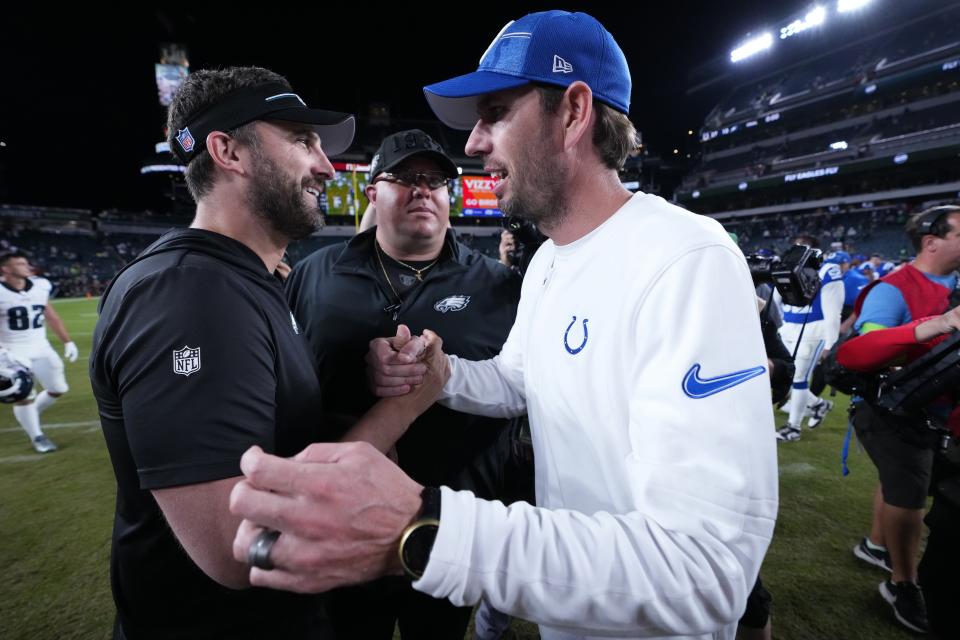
[(566, 333)]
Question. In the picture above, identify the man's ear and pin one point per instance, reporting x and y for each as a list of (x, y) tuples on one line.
[(224, 150), (371, 191), (576, 110)]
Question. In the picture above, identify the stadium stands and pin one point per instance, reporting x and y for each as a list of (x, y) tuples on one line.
[(80, 251), (842, 145)]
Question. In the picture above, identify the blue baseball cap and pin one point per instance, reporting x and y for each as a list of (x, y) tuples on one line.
[(838, 257), (553, 47)]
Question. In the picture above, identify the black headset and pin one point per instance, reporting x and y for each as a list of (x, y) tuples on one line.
[(930, 217)]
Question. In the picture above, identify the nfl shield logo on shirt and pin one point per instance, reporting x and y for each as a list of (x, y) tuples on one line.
[(186, 361)]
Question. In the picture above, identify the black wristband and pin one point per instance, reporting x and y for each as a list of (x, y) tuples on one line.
[(431, 503), (417, 540)]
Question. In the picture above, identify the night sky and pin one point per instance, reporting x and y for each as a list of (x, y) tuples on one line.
[(79, 109)]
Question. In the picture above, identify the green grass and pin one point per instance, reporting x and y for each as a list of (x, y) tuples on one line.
[(56, 513)]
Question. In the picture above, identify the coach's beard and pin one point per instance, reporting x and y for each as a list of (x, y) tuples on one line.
[(281, 202)]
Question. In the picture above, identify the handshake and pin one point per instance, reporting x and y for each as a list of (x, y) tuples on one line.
[(333, 514), (404, 363)]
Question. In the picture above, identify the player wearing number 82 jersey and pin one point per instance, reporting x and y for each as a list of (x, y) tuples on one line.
[(24, 311)]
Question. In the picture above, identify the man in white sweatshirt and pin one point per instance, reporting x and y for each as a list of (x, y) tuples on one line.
[(655, 458)]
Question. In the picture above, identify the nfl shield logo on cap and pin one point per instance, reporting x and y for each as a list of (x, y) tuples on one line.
[(185, 139)]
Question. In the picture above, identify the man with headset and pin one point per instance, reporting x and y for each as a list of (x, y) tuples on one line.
[(903, 452)]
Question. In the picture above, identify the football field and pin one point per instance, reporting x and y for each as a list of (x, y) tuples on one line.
[(56, 513)]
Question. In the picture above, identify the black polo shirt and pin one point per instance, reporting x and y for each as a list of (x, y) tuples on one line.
[(195, 358), (342, 300)]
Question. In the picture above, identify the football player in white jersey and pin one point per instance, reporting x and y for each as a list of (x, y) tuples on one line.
[(817, 328), (24, 310)]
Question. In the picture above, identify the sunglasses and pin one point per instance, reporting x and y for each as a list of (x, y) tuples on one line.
[(433, 179)]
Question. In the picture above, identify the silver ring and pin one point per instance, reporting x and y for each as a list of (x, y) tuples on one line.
[(260, 548)]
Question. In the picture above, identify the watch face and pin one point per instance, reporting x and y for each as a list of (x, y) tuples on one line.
[(417, 547)]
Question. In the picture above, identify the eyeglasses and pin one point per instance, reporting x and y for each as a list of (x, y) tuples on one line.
[(433, 179)]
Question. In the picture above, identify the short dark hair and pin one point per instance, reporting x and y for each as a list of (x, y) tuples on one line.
[(614, 135), (929, 222), (7, 256), (199, 91)]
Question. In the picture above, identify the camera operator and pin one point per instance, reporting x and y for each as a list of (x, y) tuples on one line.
[(874, 351), (810, 331), (902, 448), (519, 240), (755, 623)]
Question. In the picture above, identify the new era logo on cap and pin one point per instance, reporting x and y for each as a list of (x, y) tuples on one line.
[(561, 66)]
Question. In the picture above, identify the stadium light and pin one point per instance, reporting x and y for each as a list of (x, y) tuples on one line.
[(839, 145), (843, 6), (814, 18), (162, 168), (752, 46)]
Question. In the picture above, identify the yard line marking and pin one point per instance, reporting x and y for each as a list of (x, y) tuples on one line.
[(57, 425), (797, 468), (30, 458), (68, 300)]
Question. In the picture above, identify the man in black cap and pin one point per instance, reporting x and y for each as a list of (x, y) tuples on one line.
[(410, 271), (196, 357)]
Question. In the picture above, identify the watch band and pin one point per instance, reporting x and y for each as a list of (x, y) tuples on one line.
[(431, 503), (417, 539)]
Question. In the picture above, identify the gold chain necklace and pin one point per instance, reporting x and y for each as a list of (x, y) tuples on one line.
[(417, 272), (385, 275)]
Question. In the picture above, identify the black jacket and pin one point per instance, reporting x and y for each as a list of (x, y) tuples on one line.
[(341, 301)]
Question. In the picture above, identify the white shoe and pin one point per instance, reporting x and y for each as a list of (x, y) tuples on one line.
[(788, 434), (818, 412), (42, 444)]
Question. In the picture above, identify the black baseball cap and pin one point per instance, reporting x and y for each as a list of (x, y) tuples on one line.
[(399, 146), (270, 101)]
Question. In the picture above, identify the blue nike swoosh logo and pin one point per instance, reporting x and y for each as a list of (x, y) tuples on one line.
[(696, 387)]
